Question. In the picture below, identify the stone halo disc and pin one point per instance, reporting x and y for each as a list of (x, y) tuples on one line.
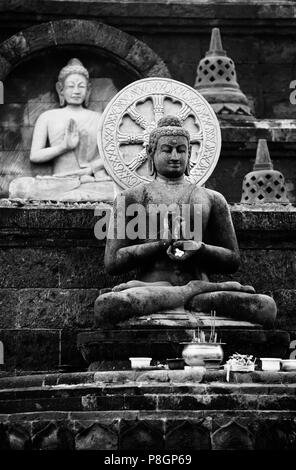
[(132, 114)]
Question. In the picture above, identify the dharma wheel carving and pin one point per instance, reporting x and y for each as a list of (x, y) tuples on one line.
[(134, 112)]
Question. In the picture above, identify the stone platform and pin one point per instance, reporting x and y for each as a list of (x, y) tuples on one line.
[(152, 410), (160, 343)]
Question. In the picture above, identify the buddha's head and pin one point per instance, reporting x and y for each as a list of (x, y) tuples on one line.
[(169, 148), (73, 84)]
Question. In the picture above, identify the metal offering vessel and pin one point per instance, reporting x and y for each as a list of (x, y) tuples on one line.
[(202, 352), (199, 354)]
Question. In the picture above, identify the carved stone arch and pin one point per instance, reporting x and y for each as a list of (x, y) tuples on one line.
[(53, 437), (135, 55), (29, 65), (188, 436), (140, 435), (232, 436), (96, 437)]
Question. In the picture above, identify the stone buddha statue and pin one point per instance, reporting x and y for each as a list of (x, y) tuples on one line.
[(67, 137), (173, 272)]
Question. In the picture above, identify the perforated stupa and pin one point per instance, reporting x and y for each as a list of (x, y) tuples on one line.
[(216, 81), (264, 184)]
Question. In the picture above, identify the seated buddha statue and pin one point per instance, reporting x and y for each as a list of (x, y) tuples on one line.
[(67, 138), (173, 272)]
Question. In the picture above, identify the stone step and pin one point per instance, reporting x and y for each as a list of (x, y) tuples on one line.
[(163, 410), (189, 377), (154, 391)]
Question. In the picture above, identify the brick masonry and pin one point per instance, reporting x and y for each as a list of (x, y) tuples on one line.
[(172, 410)]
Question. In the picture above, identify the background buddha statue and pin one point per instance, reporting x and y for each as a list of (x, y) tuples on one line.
[(165, 279), (67, 137)]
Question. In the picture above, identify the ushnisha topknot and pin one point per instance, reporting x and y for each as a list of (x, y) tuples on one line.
[(168, 125), (73, 66)]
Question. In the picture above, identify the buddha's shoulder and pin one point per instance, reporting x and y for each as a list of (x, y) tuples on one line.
[(91, 114), (215, 197), (50, 114), (135, 194), (209, 194)]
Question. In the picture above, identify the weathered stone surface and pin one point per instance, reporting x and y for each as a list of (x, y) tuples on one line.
[(267, 270), (141, 436), (277, 437), (8, 304), (30, 349), (48, 267), (55, 308), (4, 441), (286, 303), (96, 437), (42, 36), (145, 402), (15, 48), (232, 437), (4, 67), (53, 438), (19, 439), (187, 436)]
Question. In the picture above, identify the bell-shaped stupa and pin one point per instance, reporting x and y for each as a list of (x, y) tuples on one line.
[(216, 81), (264, 184)]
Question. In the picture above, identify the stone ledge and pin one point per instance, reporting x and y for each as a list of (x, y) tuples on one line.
[(161, 9), (22, 220), (121, 380)]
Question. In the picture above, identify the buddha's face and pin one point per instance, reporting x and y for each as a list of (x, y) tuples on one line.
[(75, 89), (171, 156)]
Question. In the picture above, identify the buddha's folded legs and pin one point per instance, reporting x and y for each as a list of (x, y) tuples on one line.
[(147, 298), (241, 306)]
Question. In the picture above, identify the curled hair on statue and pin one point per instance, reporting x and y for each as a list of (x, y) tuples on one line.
[(168, 125)]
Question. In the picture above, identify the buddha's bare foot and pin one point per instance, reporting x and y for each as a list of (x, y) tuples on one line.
[(135, 283), (204, 286)]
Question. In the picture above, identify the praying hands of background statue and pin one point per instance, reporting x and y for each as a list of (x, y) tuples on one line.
[(75, 140)]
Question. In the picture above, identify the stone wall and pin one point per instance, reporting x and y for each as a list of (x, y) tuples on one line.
[(52, 270), (260, 38)]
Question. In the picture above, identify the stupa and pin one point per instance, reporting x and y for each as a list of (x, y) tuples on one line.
[(216, 80)]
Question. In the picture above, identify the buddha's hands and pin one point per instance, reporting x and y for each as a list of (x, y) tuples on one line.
[(71, 138), (182, 250)]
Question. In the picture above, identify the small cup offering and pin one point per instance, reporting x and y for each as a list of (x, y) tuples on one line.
[(289, 365), (270, 363), (140, 362), (177, 363)]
